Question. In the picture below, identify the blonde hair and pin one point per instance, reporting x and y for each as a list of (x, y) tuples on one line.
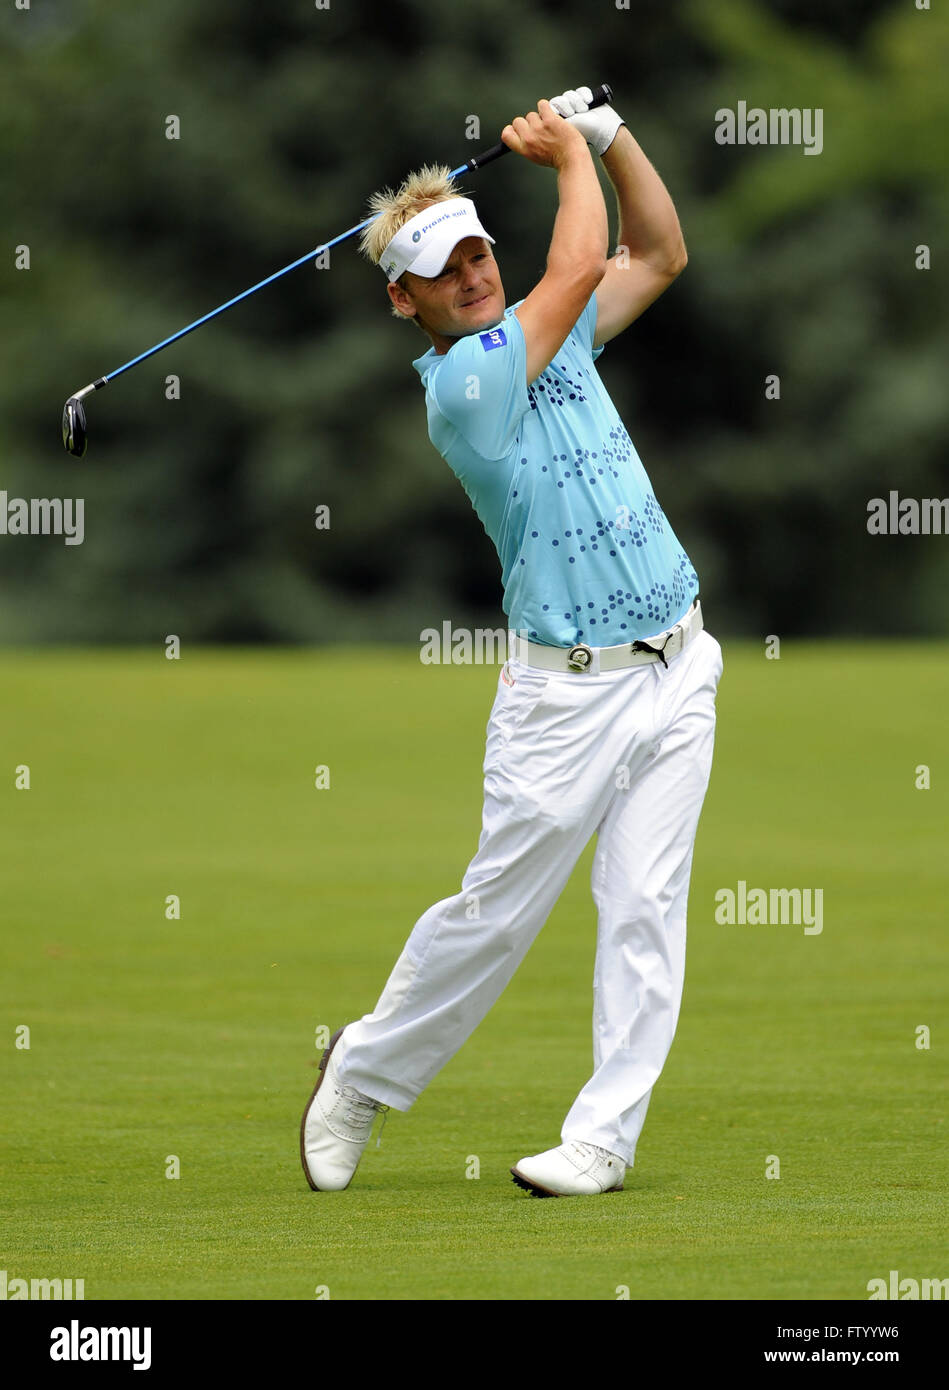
[(428, 185), (422, 189)]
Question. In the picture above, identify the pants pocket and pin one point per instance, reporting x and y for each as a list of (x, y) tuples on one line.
[(520, 691)]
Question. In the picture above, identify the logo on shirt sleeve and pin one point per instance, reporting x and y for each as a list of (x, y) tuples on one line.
[(496, 338)]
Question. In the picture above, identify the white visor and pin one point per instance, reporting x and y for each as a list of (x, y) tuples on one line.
[(426, 241)]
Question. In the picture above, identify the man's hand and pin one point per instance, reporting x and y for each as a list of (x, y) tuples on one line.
[(598, 127), (544, 137)]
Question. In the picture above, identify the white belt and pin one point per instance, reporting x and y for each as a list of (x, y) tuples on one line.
[(585, 660)]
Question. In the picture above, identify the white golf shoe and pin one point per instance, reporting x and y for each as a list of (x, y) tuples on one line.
[(335, 1128), (572, 1170)]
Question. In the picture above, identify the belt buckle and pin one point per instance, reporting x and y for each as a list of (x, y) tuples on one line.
[(580, 657)]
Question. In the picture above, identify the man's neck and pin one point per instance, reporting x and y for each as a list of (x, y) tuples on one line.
[(442, 344)]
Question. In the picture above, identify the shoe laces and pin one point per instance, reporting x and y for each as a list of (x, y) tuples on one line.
[(361, 1110), (585, 1150), (581, 1149)]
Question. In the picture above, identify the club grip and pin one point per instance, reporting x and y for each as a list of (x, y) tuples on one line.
[(602, 96)]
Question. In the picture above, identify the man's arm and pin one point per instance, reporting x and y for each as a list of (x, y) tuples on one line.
[(577, 257), (649, 228)]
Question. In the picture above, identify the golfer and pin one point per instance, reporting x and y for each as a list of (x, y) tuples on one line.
[(604, 717)]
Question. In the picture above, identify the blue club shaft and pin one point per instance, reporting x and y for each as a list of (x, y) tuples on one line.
[(206, 318), (222, 308), (600, 95), (245, 294)]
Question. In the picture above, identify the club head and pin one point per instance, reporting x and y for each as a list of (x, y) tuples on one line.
[(74, 428)]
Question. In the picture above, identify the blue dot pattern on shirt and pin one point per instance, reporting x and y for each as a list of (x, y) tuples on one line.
[(586, 552)]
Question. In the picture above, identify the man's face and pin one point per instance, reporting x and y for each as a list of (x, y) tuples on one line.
[(466, 297)]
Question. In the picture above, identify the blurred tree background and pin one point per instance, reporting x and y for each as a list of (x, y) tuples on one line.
[(199, 512)]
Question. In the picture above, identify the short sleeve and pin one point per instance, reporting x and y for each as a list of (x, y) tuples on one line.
[(480, 387)]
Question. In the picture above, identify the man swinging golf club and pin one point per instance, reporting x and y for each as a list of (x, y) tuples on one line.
[(604, 717)]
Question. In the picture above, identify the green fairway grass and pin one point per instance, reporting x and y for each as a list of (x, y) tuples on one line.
[(195, 1038)]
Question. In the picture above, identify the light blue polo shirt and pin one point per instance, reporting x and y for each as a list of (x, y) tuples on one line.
[(586, 552)]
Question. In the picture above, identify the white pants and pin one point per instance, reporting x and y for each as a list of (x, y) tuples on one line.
[(625, 754)]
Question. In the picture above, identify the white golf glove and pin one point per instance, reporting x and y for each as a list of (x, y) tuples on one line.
[(598, 127)]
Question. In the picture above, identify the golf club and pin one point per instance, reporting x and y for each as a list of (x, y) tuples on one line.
[(74, 415)]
